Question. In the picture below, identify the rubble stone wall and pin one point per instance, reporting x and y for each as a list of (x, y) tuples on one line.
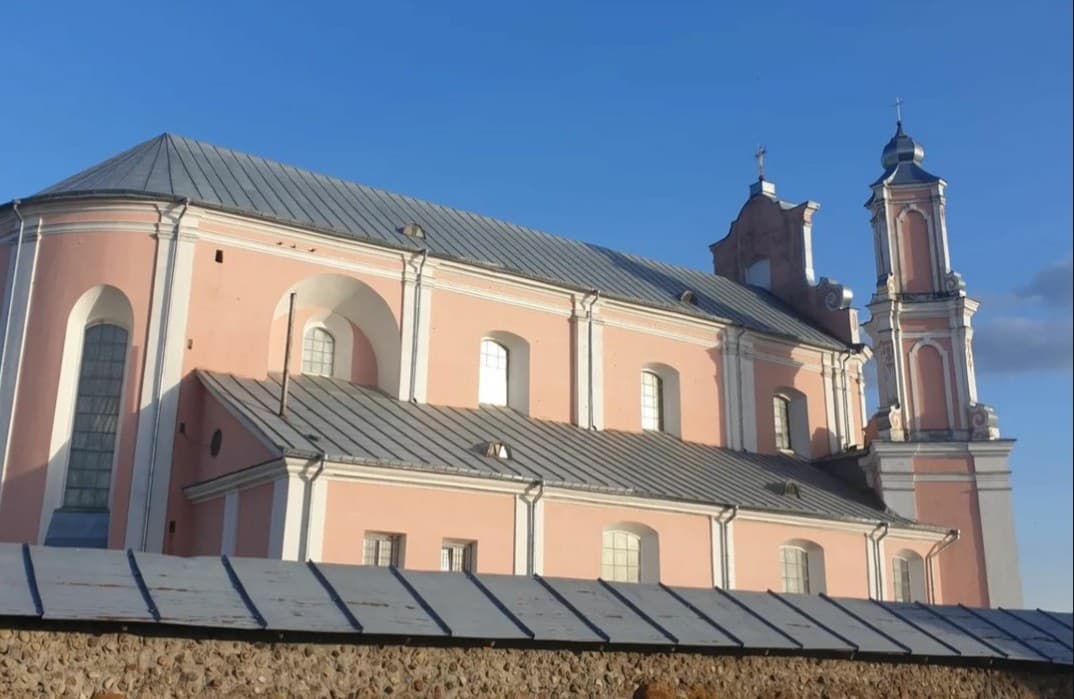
[(111, 663)]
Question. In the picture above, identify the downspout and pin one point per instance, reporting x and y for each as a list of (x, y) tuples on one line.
[(950, 538), (531, 519), (878, 564), (589, 357), (845, 389), (725, 554), (158, 378), (739, 390), (7, 324), (416, 326)]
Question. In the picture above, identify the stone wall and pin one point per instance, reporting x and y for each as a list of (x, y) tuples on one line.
[(110, 663)]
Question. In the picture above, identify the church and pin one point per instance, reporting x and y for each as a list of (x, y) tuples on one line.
[(206, 352)]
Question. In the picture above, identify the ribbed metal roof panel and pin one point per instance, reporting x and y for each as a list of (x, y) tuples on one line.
[(361, 424), (671, 613), (807, 632), (935, 625), (464, 606), (381, 601), (617, 621), (917, 639), (737, 621), (289, 597), (537, 608), (193, 592), (173, 166), (831, 617), (16, 593), (87, 584), (1043, 643)]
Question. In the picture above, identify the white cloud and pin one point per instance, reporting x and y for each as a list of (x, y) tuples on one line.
[(1052, 285), (1021, 345)]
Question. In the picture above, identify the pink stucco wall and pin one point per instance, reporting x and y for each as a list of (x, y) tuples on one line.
[(82, 261), (627, 352), (757, 562), (573, 539), (458, 323), (425, 516), (915, 254), (961, 567), (769, 378), (254, 521), (207, 522)]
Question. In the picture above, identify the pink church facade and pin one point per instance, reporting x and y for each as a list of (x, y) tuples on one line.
[(467, 394)]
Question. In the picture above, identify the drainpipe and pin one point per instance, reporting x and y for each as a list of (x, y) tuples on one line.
[(725, 553), (7, 322), (417, 326), (739, 389), (950, 538), (531, 519), (589, 359), (845, 357), (158, 379), (878, 564)]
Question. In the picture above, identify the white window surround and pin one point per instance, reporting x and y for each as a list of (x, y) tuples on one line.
[(383, 549), (100, 304), (458, 556), (908, 577), (671, 398), (518, 368), (814, 556), (353, 301), (797, 421), (648, 548)]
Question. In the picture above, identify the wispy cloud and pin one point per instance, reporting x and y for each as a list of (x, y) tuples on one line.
[(1052, 285), (1020, 345)]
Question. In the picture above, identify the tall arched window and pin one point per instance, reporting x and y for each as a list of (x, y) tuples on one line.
[(492, 378), (620, 559), (652, 402), (794, 569), (908, 577), (93, 437), (781, 414), (318, 352)]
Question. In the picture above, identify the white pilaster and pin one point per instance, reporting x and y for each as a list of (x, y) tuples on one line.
[(732, 383), (997, 523), (21, 278), (415, 369), (285, 529), (538, 537), (168, 312), (748, 415), (318, 514), (829, 378)]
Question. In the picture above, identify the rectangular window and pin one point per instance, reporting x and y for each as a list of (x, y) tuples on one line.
[(781, 417), (457, 556), (621, 557), (93, 439), (794, 564), (901, 579), (492, 378), (652, 402), (382, 549)]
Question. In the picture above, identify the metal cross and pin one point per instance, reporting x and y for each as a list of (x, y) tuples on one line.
[(759, 155), (898, 109)]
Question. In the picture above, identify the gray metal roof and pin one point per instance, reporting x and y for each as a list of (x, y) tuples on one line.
[(245, 594), (358, 424), (176, 167)]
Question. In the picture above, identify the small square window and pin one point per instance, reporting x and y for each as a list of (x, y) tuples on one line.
[(457, 556), (383, 550)]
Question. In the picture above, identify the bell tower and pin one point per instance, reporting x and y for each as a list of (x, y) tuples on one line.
[(935, 451)]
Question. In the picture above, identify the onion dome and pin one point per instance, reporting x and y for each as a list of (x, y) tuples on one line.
[(901, 148)]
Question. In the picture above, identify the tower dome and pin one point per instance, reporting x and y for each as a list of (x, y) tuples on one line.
[(901, 148)]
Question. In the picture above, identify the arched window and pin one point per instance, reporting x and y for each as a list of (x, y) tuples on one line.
[(620, 559), (652, 402), (908, 577), (492, 378), (93, 437), (781, 414), (318, 352), (802, 567)]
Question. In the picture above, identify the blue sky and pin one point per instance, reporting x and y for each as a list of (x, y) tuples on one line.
[(630, 125)]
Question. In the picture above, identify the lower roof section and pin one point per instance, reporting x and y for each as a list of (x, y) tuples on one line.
[(350, 423), (245, 594)]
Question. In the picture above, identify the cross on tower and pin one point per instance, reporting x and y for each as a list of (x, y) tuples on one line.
[(759, 155), (898, 110)]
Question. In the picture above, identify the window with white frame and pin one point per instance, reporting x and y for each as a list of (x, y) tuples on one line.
[(794, 569), (900, 579), (382, 549), (457, 556), (652, 402), (781, 415), (93, 437), (492, 378), (318, 352), (620, 559)]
